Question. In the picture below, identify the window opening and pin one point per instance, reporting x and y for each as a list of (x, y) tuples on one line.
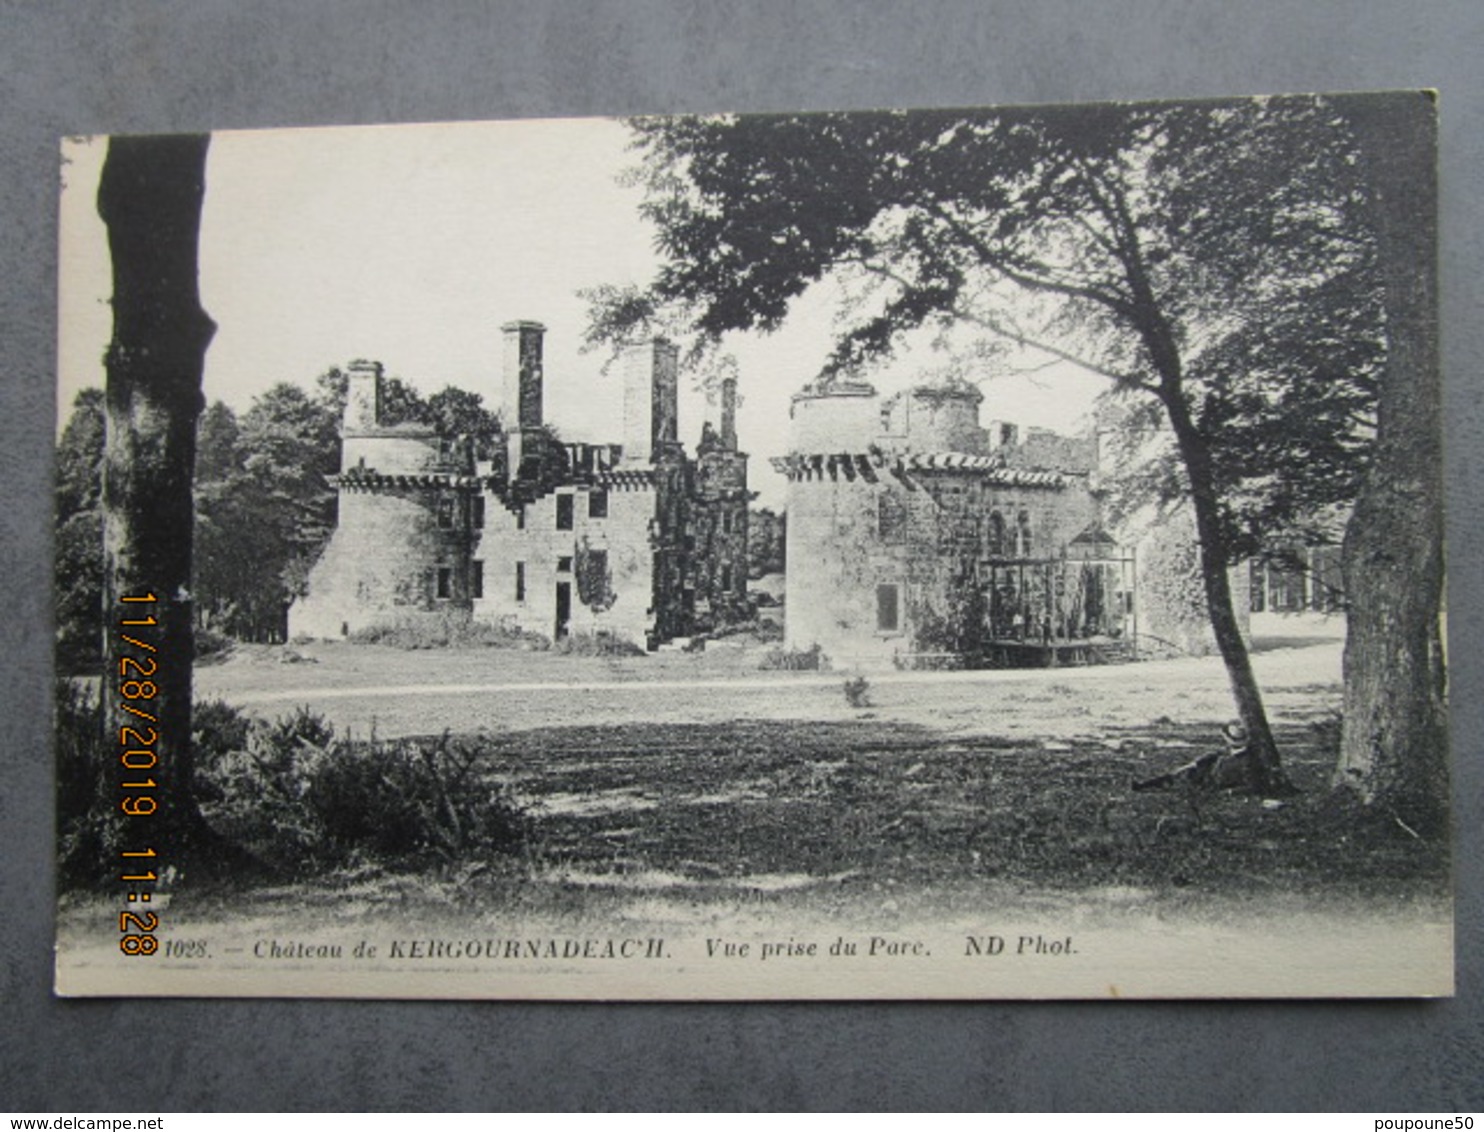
[(1023, 534), (888, 615)]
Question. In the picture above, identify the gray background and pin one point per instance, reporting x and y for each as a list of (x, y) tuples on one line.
[(107, 66)]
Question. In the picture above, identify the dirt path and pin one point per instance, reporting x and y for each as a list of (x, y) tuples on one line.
[(415, 693), (1152, 670)]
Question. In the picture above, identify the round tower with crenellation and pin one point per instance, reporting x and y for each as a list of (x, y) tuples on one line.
[(400, 550)]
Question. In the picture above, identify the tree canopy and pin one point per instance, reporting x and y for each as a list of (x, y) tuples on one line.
[(1217, 252), (1212, 259)]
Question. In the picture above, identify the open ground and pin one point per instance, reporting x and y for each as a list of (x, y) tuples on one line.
[(700, 770), (691, 791)]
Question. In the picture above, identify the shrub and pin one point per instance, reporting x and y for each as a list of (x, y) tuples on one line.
[(752, 627), (597, 644), (811, 659), (217, 728), (767, 630), (301, 799), (413, 798), (292, 794), (253, 794), (435, 631), (858, 692), (962, 626), (83, 830), (209, 645)]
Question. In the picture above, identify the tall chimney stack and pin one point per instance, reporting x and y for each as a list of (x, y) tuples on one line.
[(522, 374), (650, 399), (729, 413), (362, 396)]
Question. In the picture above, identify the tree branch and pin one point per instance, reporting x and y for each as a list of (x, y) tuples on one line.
[(1020, 338), (1019, 272), (1013, 334)]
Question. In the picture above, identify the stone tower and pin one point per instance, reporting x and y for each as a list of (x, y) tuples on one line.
[(400, 547)]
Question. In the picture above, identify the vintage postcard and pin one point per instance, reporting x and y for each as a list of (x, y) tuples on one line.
[(988, 553)]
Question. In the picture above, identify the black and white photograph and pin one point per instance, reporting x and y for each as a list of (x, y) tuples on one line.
[(987, 553)]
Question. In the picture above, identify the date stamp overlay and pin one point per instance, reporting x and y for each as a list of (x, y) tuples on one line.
[(139, 795)]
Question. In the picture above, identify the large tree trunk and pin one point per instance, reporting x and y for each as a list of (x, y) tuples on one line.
[(150, 198), (1394, 743)]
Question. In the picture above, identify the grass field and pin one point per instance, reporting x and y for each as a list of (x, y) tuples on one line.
[(694, 796), (699, 774)]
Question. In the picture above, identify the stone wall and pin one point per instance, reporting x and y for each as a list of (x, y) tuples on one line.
[(877, 569), (935, 419), (718, 535), (651, 399), (841, 418), (637, 541), (835, 562), (1042, 448), (524, 561), (400, 545), (400, 450), (389, 559)]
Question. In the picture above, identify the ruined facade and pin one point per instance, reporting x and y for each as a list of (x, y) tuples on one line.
[(635, 539), (1298, 578), (917, 535)]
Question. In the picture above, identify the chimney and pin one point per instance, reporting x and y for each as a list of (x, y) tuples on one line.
[(729, 413), (1003, 434), (649, 399), (362, 396), (522, 374)]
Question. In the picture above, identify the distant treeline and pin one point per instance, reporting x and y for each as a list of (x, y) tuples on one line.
[(264, 504)]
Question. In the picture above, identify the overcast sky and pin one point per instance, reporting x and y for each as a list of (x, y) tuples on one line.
[(411, 245)]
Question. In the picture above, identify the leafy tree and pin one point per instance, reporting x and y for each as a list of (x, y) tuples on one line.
[(290, 447), (80, 455), (1204, 257), (235, 594), (78, 535), (218, 444), (457, 412)]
